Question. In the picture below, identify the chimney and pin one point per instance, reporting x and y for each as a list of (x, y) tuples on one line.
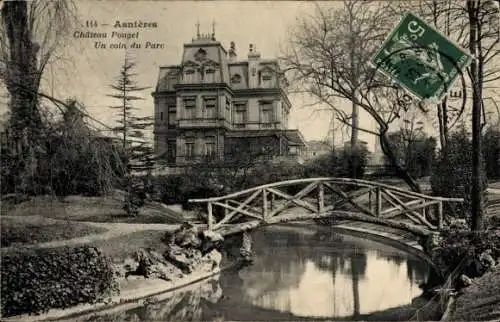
[(232, 52), (252, 52)]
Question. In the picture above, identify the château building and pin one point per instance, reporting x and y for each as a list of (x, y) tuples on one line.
[(215, 107)]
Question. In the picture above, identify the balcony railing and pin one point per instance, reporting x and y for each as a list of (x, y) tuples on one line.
[(258, 125), (202, 122)]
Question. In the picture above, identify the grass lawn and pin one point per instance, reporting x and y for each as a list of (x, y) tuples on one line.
[(119, 248), (37, 229), (78, 208)]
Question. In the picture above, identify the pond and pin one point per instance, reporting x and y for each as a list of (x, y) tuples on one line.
[(299, 273)]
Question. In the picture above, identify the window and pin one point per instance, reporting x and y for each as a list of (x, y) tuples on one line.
[(209, 75), (189, 76), (209, 105), (172, 118), (266, 80), (161, 116), (171, 81), (210, 151), (240, 114), (236, 79), (190, 106), (266, 114), (228, 109), (189, 149), (171, 151)]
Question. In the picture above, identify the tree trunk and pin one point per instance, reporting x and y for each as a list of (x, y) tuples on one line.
[(355, 125), (400, 172), (477, 205), (21, 67), (22, 83)]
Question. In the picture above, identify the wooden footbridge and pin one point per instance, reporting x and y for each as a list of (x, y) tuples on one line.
[(317, 198)]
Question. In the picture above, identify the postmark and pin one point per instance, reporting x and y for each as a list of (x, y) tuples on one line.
[(420, 59)]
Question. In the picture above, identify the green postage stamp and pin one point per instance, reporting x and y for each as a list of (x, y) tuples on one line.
[(421, 59)]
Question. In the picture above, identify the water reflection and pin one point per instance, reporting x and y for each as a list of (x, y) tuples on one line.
[(299, 275)]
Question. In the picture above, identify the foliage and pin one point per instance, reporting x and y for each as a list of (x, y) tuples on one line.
[(322, 166), (491, 152), (452, 174), (353, 161), (36, 280), (138, 153), (71, 159), (458, 245), (416, 154)]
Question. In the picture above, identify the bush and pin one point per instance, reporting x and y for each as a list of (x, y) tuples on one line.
[(452, 174), (456, 246), (416, 155), (352, 161), (491, 152), (36, 280)]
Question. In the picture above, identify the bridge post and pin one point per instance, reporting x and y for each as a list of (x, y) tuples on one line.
[(440, 214), (321, 198), (378, 201), (210, 216), (264, 205)]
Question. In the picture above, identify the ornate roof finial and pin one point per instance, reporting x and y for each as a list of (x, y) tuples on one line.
[(213, 30), (198, 29)]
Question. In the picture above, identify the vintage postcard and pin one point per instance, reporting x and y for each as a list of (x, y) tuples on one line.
[(250, 160)]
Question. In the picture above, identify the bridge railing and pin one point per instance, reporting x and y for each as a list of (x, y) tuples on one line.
[(320, 196)]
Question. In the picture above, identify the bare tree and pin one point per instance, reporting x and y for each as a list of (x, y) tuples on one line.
[(328, 57)]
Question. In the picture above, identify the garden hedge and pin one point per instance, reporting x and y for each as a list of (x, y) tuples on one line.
[(36, 280)]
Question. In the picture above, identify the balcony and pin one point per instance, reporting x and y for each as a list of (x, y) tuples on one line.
[(258, 125), (202, 123)]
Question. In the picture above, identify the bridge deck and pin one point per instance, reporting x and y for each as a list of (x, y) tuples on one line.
[(317, 198)]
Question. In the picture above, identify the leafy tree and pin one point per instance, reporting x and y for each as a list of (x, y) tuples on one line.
[(138, 154), (31, 36)]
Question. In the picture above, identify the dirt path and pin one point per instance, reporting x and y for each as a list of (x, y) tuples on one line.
[(113, 230)]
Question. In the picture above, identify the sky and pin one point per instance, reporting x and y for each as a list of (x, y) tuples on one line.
[(86, 72)]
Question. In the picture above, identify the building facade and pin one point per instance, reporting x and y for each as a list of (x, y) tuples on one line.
[(214, 107)]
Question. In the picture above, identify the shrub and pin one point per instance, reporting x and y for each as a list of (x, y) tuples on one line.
[(491, 152), (36, 280), (352, 161), (456, 246), (452, 174), (415, 155)]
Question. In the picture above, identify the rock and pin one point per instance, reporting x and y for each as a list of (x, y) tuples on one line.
[(486, 261), (211, 261), (212, 236), (186, 236), (464, 280), (430, 242), (185, 259), (151, 264)]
